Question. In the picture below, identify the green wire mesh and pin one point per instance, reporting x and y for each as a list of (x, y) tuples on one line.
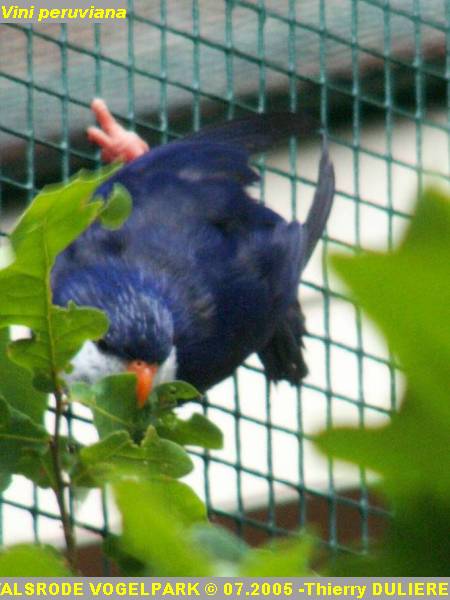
[(174, 66)]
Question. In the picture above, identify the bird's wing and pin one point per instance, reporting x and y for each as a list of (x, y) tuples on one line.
[(257, 132), (187, 161), (190, 202), (191, 211), (191, 184)]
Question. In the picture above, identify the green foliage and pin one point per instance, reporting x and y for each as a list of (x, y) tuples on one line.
[(143, 441), (113, 404), (117, 208), (407, 293), (132, 440), (37, 465), (164, 533), (155, 516), (117, 456), (18, 433), (57, 216), (168, 395), (286, 558), (408, 296), (196, 431), (218, 543), (16, 385), (141, 451), (32, 561)]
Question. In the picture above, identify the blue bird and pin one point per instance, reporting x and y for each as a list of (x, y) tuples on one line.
[(201, 275)]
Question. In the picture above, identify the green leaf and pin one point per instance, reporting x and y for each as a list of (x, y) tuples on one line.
[(52, 350), (218, 543), (115, 408), (154, 516), (117, 456), (16, 385), (164, 456), (38, 466), (416, 544), (99, 462), (18, 434), (395, 452), (179, 500), (32, 561), (196, 431), (56, 217), (407, 293), (168, 395), (285, 558), (113, 403), (128, 565), (117, 208)]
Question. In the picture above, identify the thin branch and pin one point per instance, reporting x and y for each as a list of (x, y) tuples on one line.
[(55, 449)]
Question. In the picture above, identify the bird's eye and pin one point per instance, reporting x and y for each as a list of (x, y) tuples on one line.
[(102, 345)]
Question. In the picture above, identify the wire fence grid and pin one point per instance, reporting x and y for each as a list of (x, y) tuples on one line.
[(174, 66)]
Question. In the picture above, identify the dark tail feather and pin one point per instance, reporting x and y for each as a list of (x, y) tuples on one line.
[(258, 132), (282, 357), (321, 206)]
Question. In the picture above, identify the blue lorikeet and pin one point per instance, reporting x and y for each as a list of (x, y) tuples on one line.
[(201, 275)]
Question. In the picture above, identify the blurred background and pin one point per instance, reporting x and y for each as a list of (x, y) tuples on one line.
[(375, 74)]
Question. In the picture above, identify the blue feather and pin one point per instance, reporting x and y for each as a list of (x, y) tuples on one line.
[(198, 265)]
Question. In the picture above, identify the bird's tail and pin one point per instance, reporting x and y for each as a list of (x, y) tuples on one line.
[(321, 205), (282, 356)]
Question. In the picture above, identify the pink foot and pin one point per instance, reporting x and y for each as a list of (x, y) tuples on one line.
[(116, 142)]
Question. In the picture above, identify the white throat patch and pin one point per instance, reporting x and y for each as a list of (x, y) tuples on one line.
[(91, 364), (167, 372)]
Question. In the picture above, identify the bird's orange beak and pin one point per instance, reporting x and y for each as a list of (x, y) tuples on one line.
[(145, 375)]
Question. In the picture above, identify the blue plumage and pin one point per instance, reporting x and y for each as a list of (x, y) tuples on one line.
[(199, 266)]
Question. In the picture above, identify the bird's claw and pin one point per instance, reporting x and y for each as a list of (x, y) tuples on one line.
[(115, 142)]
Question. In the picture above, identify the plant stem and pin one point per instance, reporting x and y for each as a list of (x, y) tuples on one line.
[(55, 449)]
